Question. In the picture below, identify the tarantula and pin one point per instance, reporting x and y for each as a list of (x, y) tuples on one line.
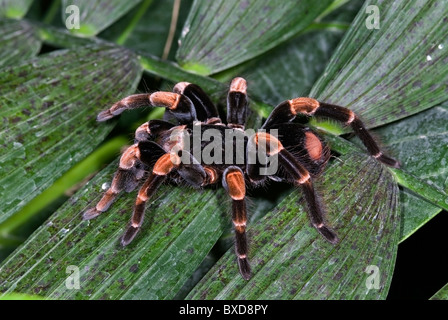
[(164, 150)]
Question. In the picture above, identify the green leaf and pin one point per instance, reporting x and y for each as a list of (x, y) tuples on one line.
[(341, 11), (171, 71), (48, 109), (18, 41), (392, 72), (424, 190), (416, 212), (19, 296), (221, 34), (291, 261), (146, 28), (155, 66), (15, 9), (421, 144), (63, 38), (95, 16), (14, 230), (302, 59), (181, 227), (291, 69), (442, 294)]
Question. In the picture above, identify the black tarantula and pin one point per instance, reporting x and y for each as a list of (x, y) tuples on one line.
[(162, 147)]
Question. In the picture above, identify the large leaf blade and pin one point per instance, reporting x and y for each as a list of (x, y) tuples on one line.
[(273, 91), (293, 262), (442, 294), (421, 144), (14, 8), (392, 72), (222, 34), (182, 225), (150, 33), (18, 41), (94, 16), (291, 69), (49, 103)]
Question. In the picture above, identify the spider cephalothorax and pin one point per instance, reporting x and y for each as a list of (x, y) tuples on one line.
[(163, 150)]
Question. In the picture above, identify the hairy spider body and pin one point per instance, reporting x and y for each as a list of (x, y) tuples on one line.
[(225, 154)]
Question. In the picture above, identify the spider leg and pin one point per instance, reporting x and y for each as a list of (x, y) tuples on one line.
[(163, 166), (124, 178), (192, 171), (300, 176), (289, 109), (233, 182), (176, 104), (253, 167), (237, 102), (152, 129), (130, 171), (312, 151), (205, 109), (212, 175)]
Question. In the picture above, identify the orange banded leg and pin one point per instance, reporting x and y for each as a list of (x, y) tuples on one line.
[(151, 130), (289, 109), (233, 182), (178, 105), (237, 102), (192, 172), (211, 175), (261, 143), (164, 165), (300, 176), (205, 109), (125, 178)]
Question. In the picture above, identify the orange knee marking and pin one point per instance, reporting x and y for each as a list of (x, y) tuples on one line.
[(236, 185), (180, 87), (240, 228), (127, 160), (313, 145), (142, 197), (303, 105), (166, 99), (351, 118), (212, 175), (240, 223), (304, 179), (239, 85), (106, 200), (142, 130), (271, 143), (165, 164)]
